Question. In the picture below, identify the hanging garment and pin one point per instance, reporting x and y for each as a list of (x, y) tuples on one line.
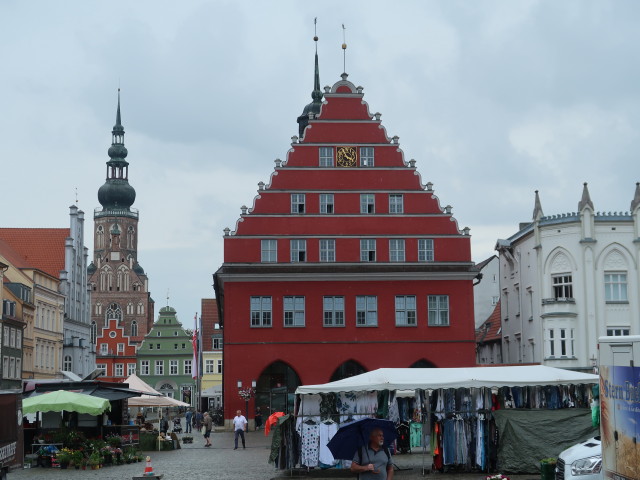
[(327, 431), (309, 405), (415, 434), (328, 406), (404, 442), (346, 405), (310, 439)]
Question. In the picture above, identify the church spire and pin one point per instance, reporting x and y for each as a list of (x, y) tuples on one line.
[(636, 198), (537, 209), (316, 94), (585, 201), (116, 194)]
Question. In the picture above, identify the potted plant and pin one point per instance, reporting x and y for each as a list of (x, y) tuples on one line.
[(95, 459), (114, 441), (64, 457), (76, 458)]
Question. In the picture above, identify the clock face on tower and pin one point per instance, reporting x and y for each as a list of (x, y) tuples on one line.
[(346, 157)]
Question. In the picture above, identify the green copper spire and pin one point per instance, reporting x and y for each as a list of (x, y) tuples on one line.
[(316, 95), (116, 194)]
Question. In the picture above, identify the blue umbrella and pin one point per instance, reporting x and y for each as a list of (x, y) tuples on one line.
[(350, 437)]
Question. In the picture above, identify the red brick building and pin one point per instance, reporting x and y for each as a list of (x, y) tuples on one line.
[(116, 355), (345, 263)]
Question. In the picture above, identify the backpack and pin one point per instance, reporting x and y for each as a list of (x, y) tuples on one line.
[(384, 448)]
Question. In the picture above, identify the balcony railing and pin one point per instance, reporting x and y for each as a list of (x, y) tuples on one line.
[(546, 301)]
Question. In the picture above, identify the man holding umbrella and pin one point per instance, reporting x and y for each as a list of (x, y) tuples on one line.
[(373, 461)]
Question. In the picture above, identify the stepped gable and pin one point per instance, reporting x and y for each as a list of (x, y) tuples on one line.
[(346, 120), (41, 248)]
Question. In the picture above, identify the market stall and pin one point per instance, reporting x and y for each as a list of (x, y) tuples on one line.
[(449, 412)]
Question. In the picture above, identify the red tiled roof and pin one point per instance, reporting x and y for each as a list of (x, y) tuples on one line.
[(41, 248), (209, 320), (490, 330)]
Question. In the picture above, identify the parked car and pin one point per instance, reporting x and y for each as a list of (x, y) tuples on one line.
[(581, 462)]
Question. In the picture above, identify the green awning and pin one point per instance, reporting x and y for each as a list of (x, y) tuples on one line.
[(64, 400)]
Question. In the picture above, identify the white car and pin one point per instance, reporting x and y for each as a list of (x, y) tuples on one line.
[(581, 462)]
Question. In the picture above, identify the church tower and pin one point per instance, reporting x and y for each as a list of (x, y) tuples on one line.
[(118, 283)]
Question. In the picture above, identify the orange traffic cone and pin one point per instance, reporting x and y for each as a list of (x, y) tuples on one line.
[(148, 470)]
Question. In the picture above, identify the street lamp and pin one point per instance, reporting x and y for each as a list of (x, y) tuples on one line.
[(246, 394)]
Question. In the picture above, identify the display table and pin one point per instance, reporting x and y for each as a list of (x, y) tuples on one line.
[(37, 446)]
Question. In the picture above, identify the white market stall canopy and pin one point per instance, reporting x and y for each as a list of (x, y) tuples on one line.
[(433, 378), (151, 397)]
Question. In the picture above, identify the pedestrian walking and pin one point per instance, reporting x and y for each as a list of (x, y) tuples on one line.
[(208, 426), (258, 418), (240, 426), (187, 419), (373, 461), (199, 419)]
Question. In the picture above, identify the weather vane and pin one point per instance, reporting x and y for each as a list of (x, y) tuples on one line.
[(344, 48), (167, 297), (76, 195), (315, 32)]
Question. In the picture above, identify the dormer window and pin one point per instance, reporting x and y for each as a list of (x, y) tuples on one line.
[(326, 156), (297, 203), (366, 157)]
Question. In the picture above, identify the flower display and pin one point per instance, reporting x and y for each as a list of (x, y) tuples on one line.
[(497, 476), (246, 393)]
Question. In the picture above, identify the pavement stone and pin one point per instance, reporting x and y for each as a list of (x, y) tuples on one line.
[(221, 461)]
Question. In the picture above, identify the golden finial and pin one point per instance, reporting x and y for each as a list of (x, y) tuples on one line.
[(344, 48)]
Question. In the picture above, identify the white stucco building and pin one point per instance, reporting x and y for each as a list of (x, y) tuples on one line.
[(567, 279)]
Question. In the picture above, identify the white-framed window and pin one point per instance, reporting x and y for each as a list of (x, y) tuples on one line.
[(396, 203), (121, 348), (131, 369), (187, 367), (219, 366), (406, 311), (615, 287), (217, 343), (438, 310), (5, 366), (12, 339), (18, 339), (562, 286), (18, 368), (333, 311), (12, 367), (102, 367), (367, 203), (67, 363), (140, 309), (618, 331), (367, 250), (208, 365), (130, 308), (396, 250), (144, 367), (366, 311), (297, 203), (269, 251), (260, 311), (119, 370), (298, 251), (494, 300), (560, 343), (173, 367), (159, 367), (327, 250), (366, 157), (294, 311), (104, 349), (326, 156), (6, 336), (425, 250), (134, 328), (326, 203)]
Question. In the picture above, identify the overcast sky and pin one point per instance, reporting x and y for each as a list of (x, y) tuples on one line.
[(494, 99)]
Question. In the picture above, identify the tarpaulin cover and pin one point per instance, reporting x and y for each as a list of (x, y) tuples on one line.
[(432, 378), (528, 436)]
